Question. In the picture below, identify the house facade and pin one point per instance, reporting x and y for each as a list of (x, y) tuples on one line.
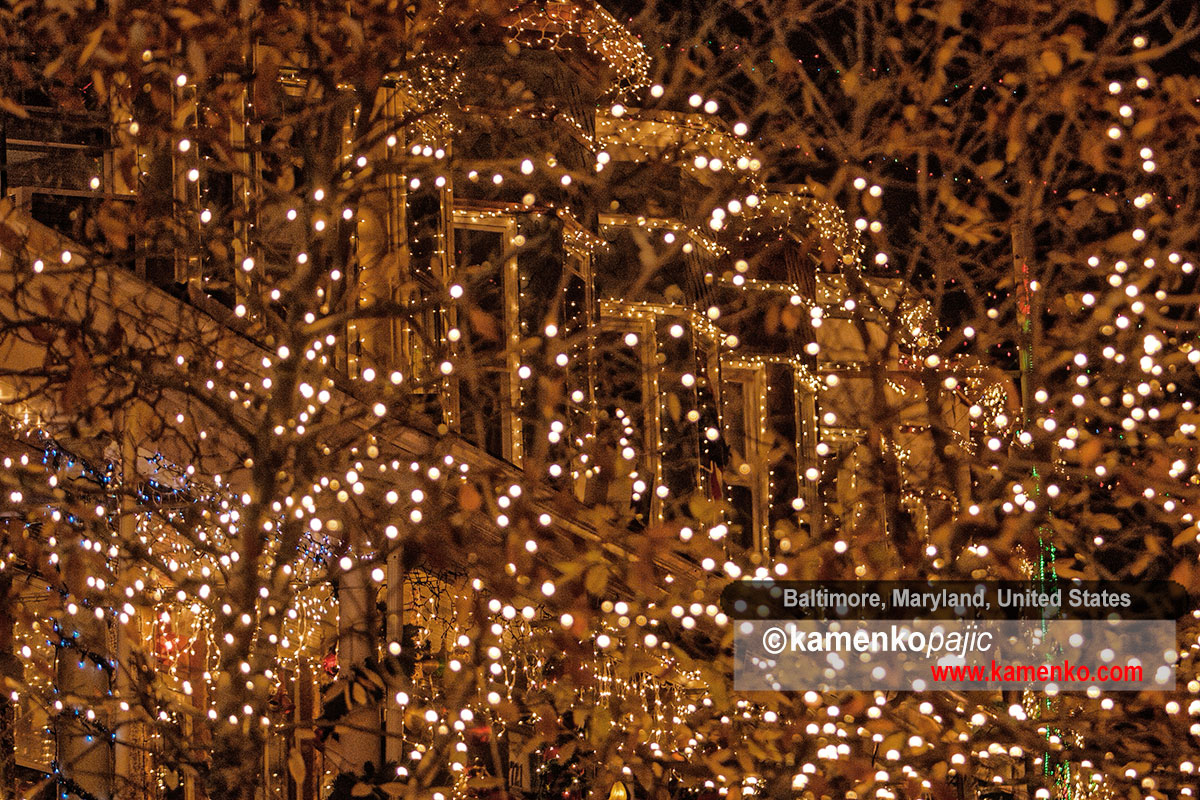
[(569, 280)]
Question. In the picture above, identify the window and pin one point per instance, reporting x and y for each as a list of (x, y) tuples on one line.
[(627, 419), (487, 316), (743, 406)]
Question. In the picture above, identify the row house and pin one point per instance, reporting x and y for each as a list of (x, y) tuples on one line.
[(615, 295)]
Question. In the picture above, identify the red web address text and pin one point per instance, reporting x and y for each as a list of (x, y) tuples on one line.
[(1066, 672)]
